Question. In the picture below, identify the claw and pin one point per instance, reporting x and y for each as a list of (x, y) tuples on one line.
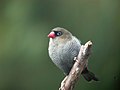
[(75, 58)]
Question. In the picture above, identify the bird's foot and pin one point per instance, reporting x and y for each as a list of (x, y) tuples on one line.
[(75, 59)]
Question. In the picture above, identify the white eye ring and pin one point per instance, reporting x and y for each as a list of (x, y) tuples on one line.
[(59, 33)]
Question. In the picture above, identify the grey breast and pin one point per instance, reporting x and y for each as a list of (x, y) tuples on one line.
[(64, 57)]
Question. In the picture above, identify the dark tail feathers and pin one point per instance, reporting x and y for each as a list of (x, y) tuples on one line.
[(89, 75)]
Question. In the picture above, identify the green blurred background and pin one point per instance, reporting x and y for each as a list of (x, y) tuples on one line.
[(24, 25)]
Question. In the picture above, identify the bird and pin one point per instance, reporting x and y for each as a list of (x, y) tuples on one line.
[(63, 48)]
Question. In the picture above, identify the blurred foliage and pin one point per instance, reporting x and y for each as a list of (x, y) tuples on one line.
[(24, 25)]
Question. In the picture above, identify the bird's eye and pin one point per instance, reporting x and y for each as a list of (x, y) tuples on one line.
[(58, 33)]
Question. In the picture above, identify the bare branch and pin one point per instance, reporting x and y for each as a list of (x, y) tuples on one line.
[(69, 81)]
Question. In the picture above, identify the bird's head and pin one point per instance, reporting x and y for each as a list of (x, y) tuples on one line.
[(60, 34)]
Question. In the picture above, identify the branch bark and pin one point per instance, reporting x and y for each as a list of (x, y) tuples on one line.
[(81, 60)]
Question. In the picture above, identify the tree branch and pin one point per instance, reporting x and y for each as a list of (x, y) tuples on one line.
[(81, 60)]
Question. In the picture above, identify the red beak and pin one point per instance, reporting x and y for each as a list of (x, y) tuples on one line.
[(51, 35)]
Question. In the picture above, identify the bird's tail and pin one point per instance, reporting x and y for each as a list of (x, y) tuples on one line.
[(89, 75)]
